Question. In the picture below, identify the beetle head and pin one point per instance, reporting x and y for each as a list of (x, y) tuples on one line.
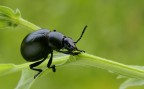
[(69, 44)]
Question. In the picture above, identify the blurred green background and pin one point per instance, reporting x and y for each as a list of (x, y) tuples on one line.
[(115, 31)]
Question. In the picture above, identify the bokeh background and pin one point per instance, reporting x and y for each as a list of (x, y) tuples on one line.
[(115, 31)]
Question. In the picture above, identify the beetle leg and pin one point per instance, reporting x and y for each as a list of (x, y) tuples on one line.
[(36, 64), (65, 52), (70, 52), (50, 62), (80, 50)]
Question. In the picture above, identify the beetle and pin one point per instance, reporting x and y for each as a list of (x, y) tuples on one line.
[(36, 47)]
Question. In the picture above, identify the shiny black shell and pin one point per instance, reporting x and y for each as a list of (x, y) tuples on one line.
[(35, 45)]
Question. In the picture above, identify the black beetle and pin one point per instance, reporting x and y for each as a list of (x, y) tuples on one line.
[(37, 45)]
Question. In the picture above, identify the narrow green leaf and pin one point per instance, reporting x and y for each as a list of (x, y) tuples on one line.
[(136, 74), (26, 79), (17, 13), (27, 76), (130, 82), (6, 11), (86, 60), (11, 68), (7, 69), (9, 17), (13, 18)]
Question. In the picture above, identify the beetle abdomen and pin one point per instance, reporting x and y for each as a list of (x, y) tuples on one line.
[(34, 45)]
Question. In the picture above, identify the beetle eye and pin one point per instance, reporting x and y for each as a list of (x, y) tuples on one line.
[(68, 45)]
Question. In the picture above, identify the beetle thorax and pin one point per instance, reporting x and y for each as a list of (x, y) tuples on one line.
[(55, 40)]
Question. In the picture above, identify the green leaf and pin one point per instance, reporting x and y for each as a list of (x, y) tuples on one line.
[(9, 17), (27, 76), (130, 82), (26, 79), (135, 74), (6, 11), (11, 68), (7, 69), (17, 13), (115, 67)]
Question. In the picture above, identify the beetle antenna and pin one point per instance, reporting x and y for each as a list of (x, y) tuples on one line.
[(81, 34)]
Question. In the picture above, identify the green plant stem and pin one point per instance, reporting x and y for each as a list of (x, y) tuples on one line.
[(119, 68), (28, 24), (85, 59)]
